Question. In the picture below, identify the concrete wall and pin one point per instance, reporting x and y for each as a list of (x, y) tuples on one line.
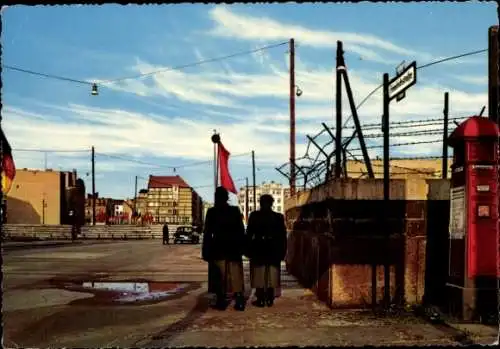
[(19, 232), (400, 168), (341, 236)]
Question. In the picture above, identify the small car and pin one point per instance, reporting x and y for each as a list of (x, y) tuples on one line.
[(186, 234)]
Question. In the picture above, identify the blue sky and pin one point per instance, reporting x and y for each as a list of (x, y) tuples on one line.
[(166, 119)]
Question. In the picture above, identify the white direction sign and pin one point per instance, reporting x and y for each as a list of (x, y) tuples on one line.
[(403, 81), (399, 69)]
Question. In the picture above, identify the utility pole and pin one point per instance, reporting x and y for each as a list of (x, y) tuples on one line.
[(338, 102), (493, 78), (254, 187), (342, 71), (246, 200), (43, 209), (387, 276), (292, 117), (135, 196), (93, 186), (445, 137)]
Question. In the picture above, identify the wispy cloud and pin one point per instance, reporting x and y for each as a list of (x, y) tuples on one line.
[(234, 25), (475, 80)]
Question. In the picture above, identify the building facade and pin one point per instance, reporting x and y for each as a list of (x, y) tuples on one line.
[(45, 197), (169, 199), (276, 190)]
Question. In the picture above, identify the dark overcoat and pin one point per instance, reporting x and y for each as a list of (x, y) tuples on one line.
[(267, 241), (223, 248)]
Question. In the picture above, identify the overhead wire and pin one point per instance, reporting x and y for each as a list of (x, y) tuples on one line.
[(52, 150), (409, 122), (138, 76), (210, 60), (171, 167), (152, 180), (419, 67), (50, 76)]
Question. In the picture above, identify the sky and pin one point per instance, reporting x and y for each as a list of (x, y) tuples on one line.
[(161, 123)]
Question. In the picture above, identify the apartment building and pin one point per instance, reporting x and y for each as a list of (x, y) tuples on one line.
[(169, 199), (45, 197), (103, 209), (276, 190)]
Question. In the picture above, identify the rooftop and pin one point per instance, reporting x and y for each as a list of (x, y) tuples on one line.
[(166, 182)]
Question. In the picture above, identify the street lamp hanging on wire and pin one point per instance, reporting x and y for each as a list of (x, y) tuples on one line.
[(94, 92)]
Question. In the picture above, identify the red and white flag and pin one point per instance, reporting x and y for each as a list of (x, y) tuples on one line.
[(225, 177)]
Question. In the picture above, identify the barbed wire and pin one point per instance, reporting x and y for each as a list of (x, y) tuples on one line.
[(401, 144), (408, 123), (408, 134)]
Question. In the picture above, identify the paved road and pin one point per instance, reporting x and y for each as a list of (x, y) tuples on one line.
[(52, 298)]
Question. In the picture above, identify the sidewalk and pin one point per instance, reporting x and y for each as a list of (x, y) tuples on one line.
[(14, 245), (299, 319)]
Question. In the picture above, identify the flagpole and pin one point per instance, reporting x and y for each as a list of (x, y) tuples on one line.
[(1, 176), (216, 141)]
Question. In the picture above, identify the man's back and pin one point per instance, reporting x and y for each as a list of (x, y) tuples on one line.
[(266, 233), (224, 232)]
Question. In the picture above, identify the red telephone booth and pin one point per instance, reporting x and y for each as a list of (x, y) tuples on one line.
[(474, 210)]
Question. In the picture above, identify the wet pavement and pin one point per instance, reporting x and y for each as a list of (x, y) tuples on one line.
[(143, 294)]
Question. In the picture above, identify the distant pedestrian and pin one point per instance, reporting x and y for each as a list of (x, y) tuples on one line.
[(266, 236), (223, 244), (74, 228), (166, 237)]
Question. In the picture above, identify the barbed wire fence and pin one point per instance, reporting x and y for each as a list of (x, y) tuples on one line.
[(314, 166)]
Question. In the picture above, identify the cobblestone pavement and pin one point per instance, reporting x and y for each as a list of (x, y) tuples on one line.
[(47, 301)]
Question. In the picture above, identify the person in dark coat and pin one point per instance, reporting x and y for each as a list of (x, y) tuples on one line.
[(223, 244), (266, 236), (166, 237)]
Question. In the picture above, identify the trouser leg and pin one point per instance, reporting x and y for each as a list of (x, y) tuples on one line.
[(261, 297), (270, 296)]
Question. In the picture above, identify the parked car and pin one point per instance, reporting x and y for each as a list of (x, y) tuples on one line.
[(186, 234)]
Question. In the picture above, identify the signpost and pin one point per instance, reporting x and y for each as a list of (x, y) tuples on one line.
[(404, 80), (399, 69), (392, 89)]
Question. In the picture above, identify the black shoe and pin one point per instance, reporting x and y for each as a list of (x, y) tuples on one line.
[(259, 302), (239, 306), (220, 304), (270, 297), (270, 302), (239, 302)]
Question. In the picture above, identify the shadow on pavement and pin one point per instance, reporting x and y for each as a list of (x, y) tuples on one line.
[(201, 307)]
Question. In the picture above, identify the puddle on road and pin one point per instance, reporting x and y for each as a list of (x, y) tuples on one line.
[(126, 292)]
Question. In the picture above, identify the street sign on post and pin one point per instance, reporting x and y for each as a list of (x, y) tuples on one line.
[(399, 69), (403, 81)]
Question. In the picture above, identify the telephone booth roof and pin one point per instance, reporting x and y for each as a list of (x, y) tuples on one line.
[(474, 127)]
